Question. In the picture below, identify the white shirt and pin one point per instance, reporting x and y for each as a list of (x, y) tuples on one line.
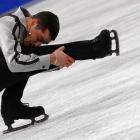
[(16, 61)]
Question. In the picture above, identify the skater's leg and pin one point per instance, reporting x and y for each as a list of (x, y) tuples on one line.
[(98, 47), (79, 50), (8, 78), (14, 92), (12, 108), (11, 97)]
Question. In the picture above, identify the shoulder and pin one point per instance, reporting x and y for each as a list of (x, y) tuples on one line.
[(7, 23), (7, 26)]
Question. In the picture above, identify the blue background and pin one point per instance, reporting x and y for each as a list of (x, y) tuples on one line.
[(7, 5)]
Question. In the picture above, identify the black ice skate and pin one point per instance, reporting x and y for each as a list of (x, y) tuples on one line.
[(21, 111), (104, 43)]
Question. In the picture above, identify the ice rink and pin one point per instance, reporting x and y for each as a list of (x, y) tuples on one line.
[(93, 99)]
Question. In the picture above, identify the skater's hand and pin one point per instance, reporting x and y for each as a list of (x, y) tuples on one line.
[(61, 59)]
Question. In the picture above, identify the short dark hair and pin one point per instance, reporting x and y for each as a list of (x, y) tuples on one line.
[(48, 20)]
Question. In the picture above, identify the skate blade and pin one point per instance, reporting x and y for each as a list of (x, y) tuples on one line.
[(117, 51), (33, 122)]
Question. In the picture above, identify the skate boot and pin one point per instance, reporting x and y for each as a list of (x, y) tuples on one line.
[(15, 111), (103, 44)]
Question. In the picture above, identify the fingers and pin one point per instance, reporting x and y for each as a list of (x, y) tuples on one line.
[(67, 64), (71, 59), (61, 48), (63, 60)]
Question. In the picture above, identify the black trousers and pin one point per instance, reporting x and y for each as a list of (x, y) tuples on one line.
[(14, 83)]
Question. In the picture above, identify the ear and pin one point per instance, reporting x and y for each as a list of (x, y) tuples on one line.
[(34, 21)]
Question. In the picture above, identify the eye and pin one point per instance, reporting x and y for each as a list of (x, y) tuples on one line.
[(40, 38)]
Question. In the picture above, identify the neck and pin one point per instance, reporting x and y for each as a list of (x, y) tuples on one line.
[(28, 19)]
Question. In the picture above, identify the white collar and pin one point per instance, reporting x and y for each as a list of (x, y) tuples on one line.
[(21, 13)]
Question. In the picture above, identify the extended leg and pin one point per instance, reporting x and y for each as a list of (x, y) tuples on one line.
[(79, 50), (99, 47)]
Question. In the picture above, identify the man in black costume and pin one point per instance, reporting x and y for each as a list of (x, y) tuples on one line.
[(21, 56)]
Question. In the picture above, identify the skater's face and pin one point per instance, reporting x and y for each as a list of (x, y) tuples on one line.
[(36, 37)]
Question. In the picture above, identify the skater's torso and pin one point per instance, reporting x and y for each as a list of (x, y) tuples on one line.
[(13, 30), (8, 22)]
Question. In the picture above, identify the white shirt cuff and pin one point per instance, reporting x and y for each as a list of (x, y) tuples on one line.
[(44, 61)]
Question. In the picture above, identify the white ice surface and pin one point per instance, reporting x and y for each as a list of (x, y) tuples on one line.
[(93, 99)]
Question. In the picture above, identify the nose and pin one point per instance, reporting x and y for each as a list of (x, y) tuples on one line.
[(37, 43)]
